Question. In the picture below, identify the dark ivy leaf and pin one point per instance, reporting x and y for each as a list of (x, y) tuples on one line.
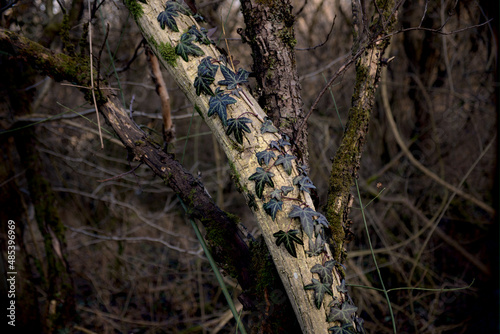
[(345, 329), (272, 207), (286, 189), (207, 68), (232, 80), (324, 271), (172, 9), (237, 126), (178, 7), (304, 183), (276, 193), (268, 126), (201, 35), (283, 142), (186, 47), (303, 169), (322, 221), (306, 216), (286, 161), (202, 85), (359, 325), (274, 144), (319, 291), (342, 314), (341, 288), (166, 18), (218, 103), (265, 157), (288, 239), (261, 178)]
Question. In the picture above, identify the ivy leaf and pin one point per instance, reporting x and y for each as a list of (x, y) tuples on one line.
[(218, 103), (342, 314), (178, 7), (166, 18), (324, 271), (268, 126), (207, 68), (319, 291), (201, 35), (237, 126), (172, 9), (284, 142), (322, 221), (232, 80), (272, 207), (276, 193), (261, 178), (304, 183), (186, 47), (306, 216), (341, 288), (286, 161), (265, 157), (303, 169), (286, 189), (345, 329), (288, 239), (274, 144), (202, 85)]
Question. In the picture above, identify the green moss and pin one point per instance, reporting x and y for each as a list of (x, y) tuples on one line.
[(168, 53), (288, 37), (134, 8)]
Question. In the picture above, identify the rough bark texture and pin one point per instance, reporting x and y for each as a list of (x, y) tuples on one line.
[(59, 306), (347, 159), (269, 31)]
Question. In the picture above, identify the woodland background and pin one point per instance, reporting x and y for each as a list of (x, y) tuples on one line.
[(135, 261)]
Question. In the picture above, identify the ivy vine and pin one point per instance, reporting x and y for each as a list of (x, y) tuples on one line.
[(275, 156)]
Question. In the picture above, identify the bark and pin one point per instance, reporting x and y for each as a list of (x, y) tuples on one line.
[(347, 158), (269, 31), (59, 307)]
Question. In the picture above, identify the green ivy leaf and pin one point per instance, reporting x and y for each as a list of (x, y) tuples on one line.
[(342, 288), (201, 35), (186, 47), (286, 161), (304, 183), (288, 239), (172, 9), (268, 126), (319, 291), (306, 216), (342, 314), (265, 157), (166, 18), (207, 68), (272, 207), (286, 189), (324, 271), (202, 85), (218, 103), (261, 178), (276, 193), (345, 329), (237, 126), (232, 80)]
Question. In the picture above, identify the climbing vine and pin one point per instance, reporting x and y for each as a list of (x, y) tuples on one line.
[(275, 157)]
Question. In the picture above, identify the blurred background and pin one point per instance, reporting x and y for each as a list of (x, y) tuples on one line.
[(134, 259)]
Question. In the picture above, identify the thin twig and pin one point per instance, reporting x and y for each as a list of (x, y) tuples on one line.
[(119, 176), (92, 77), (321, 44)]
